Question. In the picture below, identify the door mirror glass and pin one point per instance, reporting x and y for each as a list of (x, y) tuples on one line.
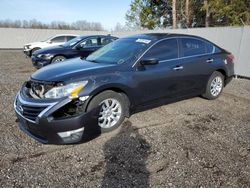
[(149, 62)]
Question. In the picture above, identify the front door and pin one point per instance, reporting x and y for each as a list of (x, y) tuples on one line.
[(164, 79)]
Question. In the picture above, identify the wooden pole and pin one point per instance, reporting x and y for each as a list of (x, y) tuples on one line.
[(174, 14), (187, 14), (207, 13)]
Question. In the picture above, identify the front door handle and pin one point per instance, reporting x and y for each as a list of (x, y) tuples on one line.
[(178, 68), (209, 60)]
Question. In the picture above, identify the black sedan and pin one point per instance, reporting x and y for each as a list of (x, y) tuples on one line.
[(63, 101), (81, 46)]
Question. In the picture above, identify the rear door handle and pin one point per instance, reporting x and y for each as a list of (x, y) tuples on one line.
[(209, 60), (178, 68)]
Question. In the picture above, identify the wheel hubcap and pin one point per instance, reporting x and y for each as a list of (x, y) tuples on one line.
[(216, 86), (59, 59), (110, 113)]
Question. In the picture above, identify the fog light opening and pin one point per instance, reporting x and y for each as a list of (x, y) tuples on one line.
[(74, 133)]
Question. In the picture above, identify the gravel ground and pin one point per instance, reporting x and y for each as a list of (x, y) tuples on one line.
[(191, 143)]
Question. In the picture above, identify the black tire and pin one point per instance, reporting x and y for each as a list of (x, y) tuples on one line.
[(208, 94), (109, 94), (33, 50), (58, 58)]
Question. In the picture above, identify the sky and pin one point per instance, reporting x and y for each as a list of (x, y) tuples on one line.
[(107, 12)]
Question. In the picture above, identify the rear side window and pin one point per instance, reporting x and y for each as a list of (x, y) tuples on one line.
[(58, 39), (210, 47), (164, 50), (68, 38), (190, 47), (106, 40)]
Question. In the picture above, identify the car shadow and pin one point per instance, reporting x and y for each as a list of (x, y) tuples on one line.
[(125, 155), (161, 102)]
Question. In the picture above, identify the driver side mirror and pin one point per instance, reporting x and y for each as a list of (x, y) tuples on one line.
[(149, 62), (50, 42)]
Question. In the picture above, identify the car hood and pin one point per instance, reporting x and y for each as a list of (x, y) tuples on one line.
[(71, 70), (50, 50), (33, 44)]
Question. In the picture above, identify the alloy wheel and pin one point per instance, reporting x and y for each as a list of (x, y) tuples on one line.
[(110, 113), (216, 86)]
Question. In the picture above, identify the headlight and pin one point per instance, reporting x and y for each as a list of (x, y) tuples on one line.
[(45, 56), (70, 90)]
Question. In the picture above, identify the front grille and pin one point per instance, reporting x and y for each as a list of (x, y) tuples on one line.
[(31, 112)]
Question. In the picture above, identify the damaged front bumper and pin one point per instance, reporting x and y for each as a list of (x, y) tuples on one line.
[(38, 119)]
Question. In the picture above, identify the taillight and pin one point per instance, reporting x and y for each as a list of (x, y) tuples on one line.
[(230, 58)]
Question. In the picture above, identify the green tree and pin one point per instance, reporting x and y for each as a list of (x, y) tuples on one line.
[(153, 14), (228, 12), (149, 14)]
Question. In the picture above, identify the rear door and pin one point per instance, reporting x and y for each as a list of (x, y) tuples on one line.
[(196, 60)]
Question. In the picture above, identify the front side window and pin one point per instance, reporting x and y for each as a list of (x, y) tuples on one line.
[(58, 39), (192, 47), (88, 43), (164, 50)]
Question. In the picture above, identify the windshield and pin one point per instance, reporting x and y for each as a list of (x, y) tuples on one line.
[(72, 42), (119, 51)]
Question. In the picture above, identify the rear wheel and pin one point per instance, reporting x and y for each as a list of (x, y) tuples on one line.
[(112, 109), (214, 86), (57, 59)]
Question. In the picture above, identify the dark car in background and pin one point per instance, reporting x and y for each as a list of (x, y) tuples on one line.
[(62, 100), (80, 46)]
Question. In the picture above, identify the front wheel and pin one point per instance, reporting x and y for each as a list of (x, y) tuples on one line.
[(215, 86), (57, 59), (112, 109)]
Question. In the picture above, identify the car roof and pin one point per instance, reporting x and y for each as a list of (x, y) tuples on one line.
[(66, 35), (86, 36), (159, 36)]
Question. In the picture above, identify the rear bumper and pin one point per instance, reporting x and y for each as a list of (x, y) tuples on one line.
[(46, 129)]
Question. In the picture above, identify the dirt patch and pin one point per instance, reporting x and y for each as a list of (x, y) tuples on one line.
[(190, 143)]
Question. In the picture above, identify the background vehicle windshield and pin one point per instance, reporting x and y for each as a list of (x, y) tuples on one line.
[(119, 51), (72, 42)]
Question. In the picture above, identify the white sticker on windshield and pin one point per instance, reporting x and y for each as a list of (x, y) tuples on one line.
[(146, 41)]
